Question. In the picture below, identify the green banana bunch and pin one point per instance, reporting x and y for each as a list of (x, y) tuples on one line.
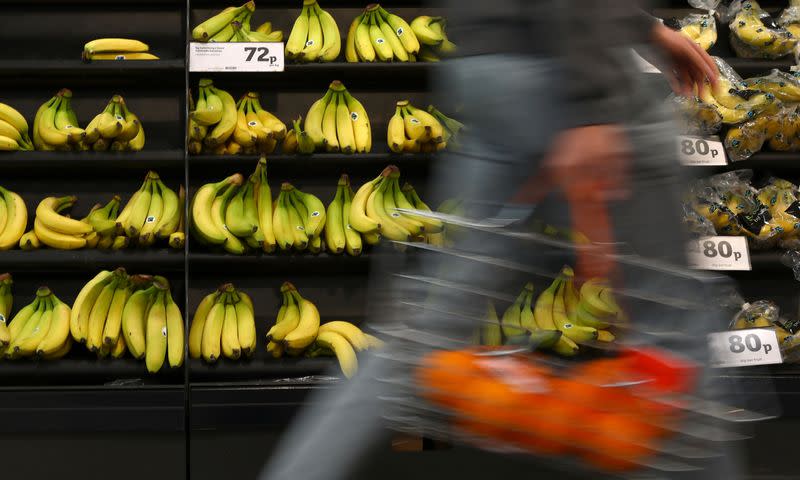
[(55, 126), (39, 329), (6, 303), (13, 218), (116, 128), (377, 35), (298, 220), (116, 49), (218, 28), (338, 122), (339, 235), (314, 36), (412, 130), (223, 325), (13, 130), (431, 33)]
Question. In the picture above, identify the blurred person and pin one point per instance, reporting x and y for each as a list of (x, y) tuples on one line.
[(563, 126)]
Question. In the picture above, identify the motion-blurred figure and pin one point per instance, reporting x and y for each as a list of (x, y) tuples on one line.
[(562, 126)]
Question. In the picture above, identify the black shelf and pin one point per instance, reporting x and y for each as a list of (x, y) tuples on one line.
[(79, 163), (93, 409), (261, 368), (747, 67), (323, 263), (48, 260), (410, 76), (391, 4), (318, 164), (75, 71)]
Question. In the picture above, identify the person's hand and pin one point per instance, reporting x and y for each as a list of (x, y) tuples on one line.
[(689, 65)]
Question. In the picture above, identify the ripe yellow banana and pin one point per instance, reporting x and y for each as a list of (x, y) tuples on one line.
[(156, 334), (58, 333), (16, 219), (344, 352), (335, 239), (134, 318), (202, 212), (98, 315), (198, 324), (102, 45), (299, 34), (332, 45), (212, 331), (359, 219), (363, 42), (350, 53), (229, 340), (307, 327), (245, 325), (353, 241), (227, 123), (113, 320), (352, 333)]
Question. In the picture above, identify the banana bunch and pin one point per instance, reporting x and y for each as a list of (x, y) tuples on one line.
[(374, 213), (377, 35), (315, 35), (55, 126), (115, 128), (13, 130), (223, 325), (337, 122), (6, 303), (56, 230), (755, 34), (116, 312), (219, 28), (13, 218), (243, 33), (701, 28), (298, 220), (412, 130), (296, 326), (257, 130), (339, 235), (342, 340), (430, 31), (40, 329), (153, 212), (784, 85), (298, 140), (116, 49)]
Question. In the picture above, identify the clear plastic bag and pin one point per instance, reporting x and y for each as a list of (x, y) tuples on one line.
[(734, 101), (701, 28), (785, 86), (695, 117), (759, 314), (790, 19), (755, 34)]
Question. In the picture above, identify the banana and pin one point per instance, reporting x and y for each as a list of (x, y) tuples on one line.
[(295, 225), (576, 333), (344, 125), (314, 119), (113, 320), (227, 123), (350, 53), (402, 30), (415, 129), (592, 301), (398, 49), (31, 313), (263, 200), (314, 212), (209, 109), (299, 34), (8, 131), (174, 322), (396, 131), (363, 42), (202, 212), (212, 331), (376, 209), (156, 334), (245, 325), (383, 51), (329, 118), (362, 131), (130, 123), (232, 243), (345, 354), (511, 322), (399, 200), (198, 323), (63, 120), (9, 144), (543, 316), (103, 45), (13, 117), (147, 233), (213, 25), (16, 219), (57, 240), (47, 215), (235, 220), (284, 237), (359, 219), (307, 327), (134, 317), (314, 41), (334, 225), (38, 143), (428, 122), (332, 45), (353, 243), (81, 309), (110, 122), (422, 30), (134, 221), (104, 220), (47, 130), (171, 212), (98, 315), (492, 332), (229, 339), (58, 333), (121, 56), (36, 329), (352, 333), (287, 320)]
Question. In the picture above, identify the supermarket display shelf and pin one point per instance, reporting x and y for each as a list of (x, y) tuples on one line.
[(115, 408), (46, 260), (357, 76), (78, 163), (391, 4), (323, 264), (317, 164), (78, 72), (262, 367)]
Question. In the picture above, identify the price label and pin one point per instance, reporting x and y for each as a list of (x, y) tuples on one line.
[(236, 57), (741, 348), (701, 151), (719, 253)]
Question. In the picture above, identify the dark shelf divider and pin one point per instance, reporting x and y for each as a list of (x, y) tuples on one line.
[(47, 260), (79, 163)]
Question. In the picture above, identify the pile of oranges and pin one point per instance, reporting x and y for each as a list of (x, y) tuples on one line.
[(604, 412)]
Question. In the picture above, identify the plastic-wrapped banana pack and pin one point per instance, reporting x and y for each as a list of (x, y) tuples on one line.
[(756, 34), (729, 204), (701, 28), (766, 314)]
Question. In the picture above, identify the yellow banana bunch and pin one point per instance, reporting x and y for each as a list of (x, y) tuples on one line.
[(40, 329), (13, 218), (298, 220), (339, 235), (220, 125), (754, 34), (116, 49), (223, 325), (315, 35), (116, 128), (412, 130), (55, 126), (256, 130), (701, 28), (377, 35), (14, 133), (432, 35), (785, 86), (152, 213), (219, 27), (338, 122)]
